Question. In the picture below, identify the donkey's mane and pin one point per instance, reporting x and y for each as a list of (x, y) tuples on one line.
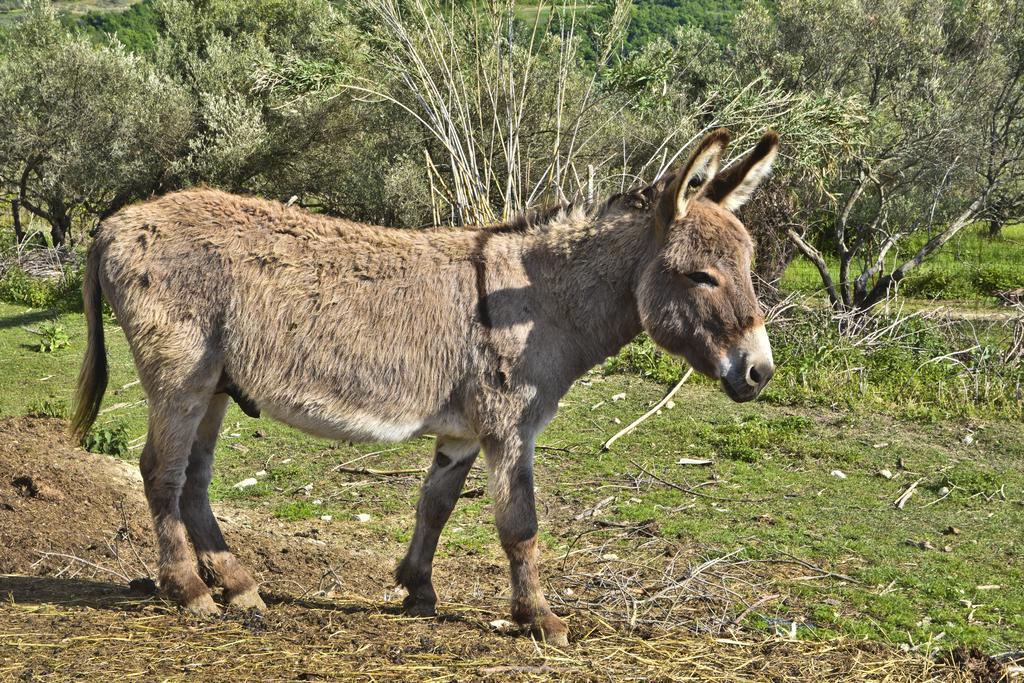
[(544, 217), (540, 218)]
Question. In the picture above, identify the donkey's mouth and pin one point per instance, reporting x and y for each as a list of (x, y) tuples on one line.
[(746, 393)]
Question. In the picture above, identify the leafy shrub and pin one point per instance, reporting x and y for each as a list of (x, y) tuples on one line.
[(999, 277), (52, 336), (946, 282), (962, 281), (110, 440), (62, 294)]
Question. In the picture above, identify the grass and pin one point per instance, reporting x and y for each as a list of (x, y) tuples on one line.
[(771, 497)]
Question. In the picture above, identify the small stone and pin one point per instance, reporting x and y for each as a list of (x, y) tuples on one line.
[(261, 474), (502, 625), (326, 518), (318, 502), (259, 434), (968, 440), (885, 474), (617, 421), (286, 461), (362, 517), (944, 491), (608, 557), (246, 483), (618, 397), (947, 548), (670, 405), (568, 591), (951, 531), (838, 474)]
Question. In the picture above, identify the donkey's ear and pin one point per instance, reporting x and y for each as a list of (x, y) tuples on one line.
[(732, 187), (694, 176)]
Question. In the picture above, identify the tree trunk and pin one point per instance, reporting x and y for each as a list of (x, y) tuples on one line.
[(60, 228), (19, 232), (995, 228)]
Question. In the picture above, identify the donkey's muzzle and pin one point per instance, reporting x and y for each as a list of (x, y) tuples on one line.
[(749, 367), (746, 384)]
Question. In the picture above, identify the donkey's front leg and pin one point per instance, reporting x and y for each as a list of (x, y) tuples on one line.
[(511, 469), (452, 461)]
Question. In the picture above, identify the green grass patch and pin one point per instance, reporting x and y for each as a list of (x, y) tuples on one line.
[(296, 510)]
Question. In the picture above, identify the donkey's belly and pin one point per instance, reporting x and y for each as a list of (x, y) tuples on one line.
[(352, 424)]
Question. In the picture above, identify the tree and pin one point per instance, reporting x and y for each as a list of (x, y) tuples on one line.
[(84, 128), (942, 83)]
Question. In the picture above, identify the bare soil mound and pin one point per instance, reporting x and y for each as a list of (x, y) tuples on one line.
[(75, 532)]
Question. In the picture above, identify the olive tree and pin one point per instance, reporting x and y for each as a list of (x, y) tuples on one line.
[(942, 88), (330, 154), (84, 128)]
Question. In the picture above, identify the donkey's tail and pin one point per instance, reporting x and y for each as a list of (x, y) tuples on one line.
[(92, 380)]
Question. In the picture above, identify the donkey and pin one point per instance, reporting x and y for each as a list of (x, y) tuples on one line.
[(365, 333)]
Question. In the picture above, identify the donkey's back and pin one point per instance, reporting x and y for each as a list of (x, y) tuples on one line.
[(344, 330)]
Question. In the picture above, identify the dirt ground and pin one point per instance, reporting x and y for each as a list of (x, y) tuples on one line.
[(76, 550)]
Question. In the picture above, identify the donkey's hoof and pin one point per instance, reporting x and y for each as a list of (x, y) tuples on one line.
[(249, 599), (551, 630), (202, 605), (414, 607)]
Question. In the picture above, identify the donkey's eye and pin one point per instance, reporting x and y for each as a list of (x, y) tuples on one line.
[(695, 182), (702, 278)]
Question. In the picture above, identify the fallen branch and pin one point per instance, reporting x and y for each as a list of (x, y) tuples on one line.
[(591, 512), (905, 496), (74, 558), (379, 473), (693, 491), (754, 605), (658, 406)]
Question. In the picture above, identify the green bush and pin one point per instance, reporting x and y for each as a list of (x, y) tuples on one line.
[(62, 294), (948, 282), (110, 440), (962, 281), (995, 278)]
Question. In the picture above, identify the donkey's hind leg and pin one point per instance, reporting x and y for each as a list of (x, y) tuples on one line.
[(217, 565), (452, 461), (172, 429)]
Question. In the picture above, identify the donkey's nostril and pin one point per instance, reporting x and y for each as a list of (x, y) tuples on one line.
[(753, 376)]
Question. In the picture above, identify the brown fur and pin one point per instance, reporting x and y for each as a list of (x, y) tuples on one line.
[(359, 332)]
